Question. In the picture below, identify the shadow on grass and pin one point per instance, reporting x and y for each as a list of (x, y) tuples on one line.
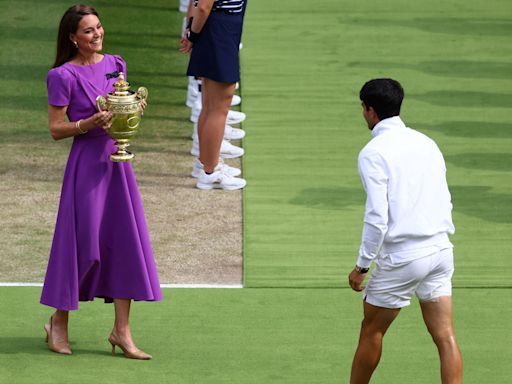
[(17, 344), (23, 103), (484, 161), (332, 198), (468, 99), (478, 201), (31, 33), (481, 202), (470, 69), (469, 129), (24, 72), (449, 25)]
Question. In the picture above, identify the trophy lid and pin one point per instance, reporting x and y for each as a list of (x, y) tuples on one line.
[(122, 87)]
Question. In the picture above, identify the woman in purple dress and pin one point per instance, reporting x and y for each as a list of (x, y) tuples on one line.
[(101, 246)]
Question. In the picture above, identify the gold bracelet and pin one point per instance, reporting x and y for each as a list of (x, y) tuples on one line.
[(77, 125)]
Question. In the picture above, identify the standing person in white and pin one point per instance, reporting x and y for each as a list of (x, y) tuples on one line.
[(407, 221)]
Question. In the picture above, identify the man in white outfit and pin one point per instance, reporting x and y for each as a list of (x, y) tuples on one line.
[(407, 221)]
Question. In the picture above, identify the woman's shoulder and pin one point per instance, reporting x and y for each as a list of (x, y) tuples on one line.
[(61, 73), (119, 62), (114, 58)]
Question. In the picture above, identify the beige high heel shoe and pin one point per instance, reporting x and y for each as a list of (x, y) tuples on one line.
[(58, 346), (132, 354)]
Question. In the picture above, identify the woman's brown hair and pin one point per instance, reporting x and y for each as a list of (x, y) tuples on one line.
[(66, 50)]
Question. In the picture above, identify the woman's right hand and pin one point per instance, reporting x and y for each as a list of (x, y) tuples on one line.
[(101, 119)]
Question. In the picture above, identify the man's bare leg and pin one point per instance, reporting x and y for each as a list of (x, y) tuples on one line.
[(438, 319), (375, 324)]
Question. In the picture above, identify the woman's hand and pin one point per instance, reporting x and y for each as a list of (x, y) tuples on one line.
[(185, 44), (143, 105), (101, 119)]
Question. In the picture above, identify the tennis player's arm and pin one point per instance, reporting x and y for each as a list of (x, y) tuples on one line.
[(372, 170)]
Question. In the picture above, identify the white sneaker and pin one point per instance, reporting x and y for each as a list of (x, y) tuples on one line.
[(230, 133), (233, 117), (183, 6), (236, 100), (192, 92), (219, 180), (230, 171), (196, 109), (227, 150)]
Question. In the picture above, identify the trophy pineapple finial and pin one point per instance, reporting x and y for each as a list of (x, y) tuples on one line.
[(122, 87)]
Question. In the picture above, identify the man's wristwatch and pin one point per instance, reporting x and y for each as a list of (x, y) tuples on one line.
[(360, 270)]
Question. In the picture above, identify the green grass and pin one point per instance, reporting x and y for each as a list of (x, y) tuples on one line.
[(32, 164), (303, 66), (285, 336), (302, 74)]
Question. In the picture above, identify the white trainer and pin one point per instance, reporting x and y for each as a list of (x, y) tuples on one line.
[(233, 117), (219, 180), (227, 150), (196, 109), (236, 100), (192, 92), (228, 170), (183, 6), (230, 133)]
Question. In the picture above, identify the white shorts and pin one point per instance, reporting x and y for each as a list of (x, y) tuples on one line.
[(429, 277)]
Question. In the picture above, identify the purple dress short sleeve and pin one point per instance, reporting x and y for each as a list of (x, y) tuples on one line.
[(59, 83), (101, 245)]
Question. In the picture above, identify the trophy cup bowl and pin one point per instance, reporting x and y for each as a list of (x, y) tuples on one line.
[(126, 114)]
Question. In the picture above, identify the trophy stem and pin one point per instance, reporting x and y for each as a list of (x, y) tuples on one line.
[(122, 154)]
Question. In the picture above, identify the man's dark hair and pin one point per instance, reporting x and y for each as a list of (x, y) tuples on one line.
[(384, 96)]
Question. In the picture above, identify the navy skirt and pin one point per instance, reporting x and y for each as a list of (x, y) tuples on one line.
[(216, 54)]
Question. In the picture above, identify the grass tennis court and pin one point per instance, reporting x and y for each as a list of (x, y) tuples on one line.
[(248, 336), (303, 64), (302, 75)]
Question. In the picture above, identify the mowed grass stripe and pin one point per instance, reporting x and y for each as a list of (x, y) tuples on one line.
[(303, 206), (250, 336)]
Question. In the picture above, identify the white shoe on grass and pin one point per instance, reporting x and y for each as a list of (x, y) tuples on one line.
[(192, 92), (183, 6), (230, 133), (227, 150), (219, 180), (236, 100), (228, 170), (233, 117)]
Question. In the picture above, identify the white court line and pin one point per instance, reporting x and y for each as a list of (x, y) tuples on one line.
[(236, 286)]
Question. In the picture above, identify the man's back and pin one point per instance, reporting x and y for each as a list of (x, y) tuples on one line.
[(404, 173)]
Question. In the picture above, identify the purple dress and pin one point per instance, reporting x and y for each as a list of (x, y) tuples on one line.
[(101, 245)]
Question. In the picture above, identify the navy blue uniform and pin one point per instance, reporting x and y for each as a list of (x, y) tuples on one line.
[(216, 54)]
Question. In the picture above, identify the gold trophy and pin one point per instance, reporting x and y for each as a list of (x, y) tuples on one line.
[(126, 110)]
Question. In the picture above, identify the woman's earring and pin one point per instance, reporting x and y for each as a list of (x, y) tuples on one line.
[(76, 44)]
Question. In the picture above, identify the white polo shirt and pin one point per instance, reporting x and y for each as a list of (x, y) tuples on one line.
[(408, 205)]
